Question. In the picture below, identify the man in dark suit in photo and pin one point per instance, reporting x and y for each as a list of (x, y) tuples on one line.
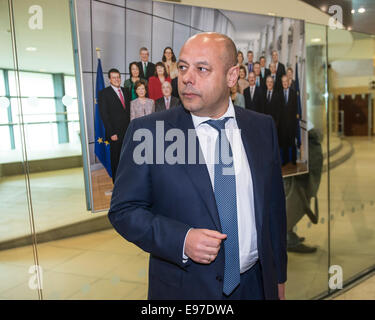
[(167, 101), (280, 68), (114, 108), (276, 79), (146, 68), (264, 72), (254, 96), (214, 228), (250, 62), (288, 125), (258, 78), (273, 101)]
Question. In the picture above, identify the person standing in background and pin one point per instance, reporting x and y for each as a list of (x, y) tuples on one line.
[(146, 68), (290, 73), (253, 95), (273, 102), (258, 78), (169, 60), (134, 77), (250, 62), (155, 82), (167, 101), (276, 79), (242, 81), (114, 108), (240, 58), (264, 72), (142, 105), (280, 68), (236, 96)]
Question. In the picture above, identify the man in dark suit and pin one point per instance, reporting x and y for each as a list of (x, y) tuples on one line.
[(114, 108), (276, 79), (167, 101), (175, 88), (258, 78), (254, 96), (146, 68), (214, 228), (264, 72), (288, 125), (250, 62), (280, 68), (273, 101)]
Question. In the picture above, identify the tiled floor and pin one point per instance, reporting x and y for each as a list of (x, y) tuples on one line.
[(103, 265)]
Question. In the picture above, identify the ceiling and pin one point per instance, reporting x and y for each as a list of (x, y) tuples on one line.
[(356, 21)]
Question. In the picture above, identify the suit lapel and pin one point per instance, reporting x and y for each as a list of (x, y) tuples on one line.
[(198, 173), (251, 141)]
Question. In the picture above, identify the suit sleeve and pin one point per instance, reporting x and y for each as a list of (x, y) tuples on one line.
[(104, 114), (131, 208), (278, 213)]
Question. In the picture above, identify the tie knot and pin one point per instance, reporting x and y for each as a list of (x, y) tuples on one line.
[(218, 124)]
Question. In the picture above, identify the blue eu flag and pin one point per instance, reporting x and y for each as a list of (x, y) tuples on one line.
[(299, 109), (102, 147)]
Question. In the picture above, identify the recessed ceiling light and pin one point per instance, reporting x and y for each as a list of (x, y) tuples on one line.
[(361, 10), (323, 8), (353, 11), (30, 49), (349, 28), (315, 40)]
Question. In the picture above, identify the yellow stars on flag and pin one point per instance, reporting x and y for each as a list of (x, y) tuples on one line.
[(100, 140)]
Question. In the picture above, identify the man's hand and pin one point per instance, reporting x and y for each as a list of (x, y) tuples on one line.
[(281, 287), (203, 245), (114, 137)]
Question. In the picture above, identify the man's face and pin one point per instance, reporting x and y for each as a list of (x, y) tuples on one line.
[(144, 55), (273, 68), (160, 71), (250, 57), (269, 83), (289, 73), (251, 78), (262, 62), (166, 89), (285, 82), (203, 82), (257, 69), (275, 56), (115, 79)]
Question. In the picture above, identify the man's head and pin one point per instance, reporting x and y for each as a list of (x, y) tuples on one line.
[(257, 68), (143, 53), (290, 73), (250, 56), (251, 77), (269, 83), (114, 77), (285, 82), (275, 56), (273, 67), (166, 88), (262, 61), (207, 70)]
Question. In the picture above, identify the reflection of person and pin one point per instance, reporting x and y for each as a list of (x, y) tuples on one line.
[(288, 124), (169, 60), (178, 212), (300, 190), (242, 81), (142, 105), (236, 96), (167, 101), (254, 96), (155, 82), (273, 102), (250, 62), (134, 77), (146, 68), (114, 108)]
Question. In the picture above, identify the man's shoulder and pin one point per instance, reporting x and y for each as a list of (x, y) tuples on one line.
[(251, 115)]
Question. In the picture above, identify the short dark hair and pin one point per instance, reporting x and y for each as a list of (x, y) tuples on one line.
[(113, 70), (250, 51), (256, 62), (143, 49), (262, 57), (164, 59), (161, 64), (242, 68), (130, 67), (138, 84)]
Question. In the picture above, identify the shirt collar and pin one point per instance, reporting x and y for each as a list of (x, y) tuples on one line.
[(116, 89), (229, 113)]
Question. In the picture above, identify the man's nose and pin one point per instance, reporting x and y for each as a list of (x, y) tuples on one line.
[(188, 76)]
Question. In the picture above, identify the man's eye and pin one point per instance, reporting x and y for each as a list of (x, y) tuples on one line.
[(182, 68), (203, 69)]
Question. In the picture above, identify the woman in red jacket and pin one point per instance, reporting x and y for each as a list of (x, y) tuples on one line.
[(155, 82)]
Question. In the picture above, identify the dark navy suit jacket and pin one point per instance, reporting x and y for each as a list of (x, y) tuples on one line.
[(154, 205)]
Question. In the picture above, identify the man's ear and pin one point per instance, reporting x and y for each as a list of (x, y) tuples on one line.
[(232, 76)]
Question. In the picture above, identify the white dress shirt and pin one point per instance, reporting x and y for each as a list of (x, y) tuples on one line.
[(207, 135), (167, 100), (117, 92)]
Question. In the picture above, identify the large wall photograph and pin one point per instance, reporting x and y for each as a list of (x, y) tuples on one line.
[(123, 34)]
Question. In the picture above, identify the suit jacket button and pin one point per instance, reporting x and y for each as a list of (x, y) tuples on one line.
[(219, 278)]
